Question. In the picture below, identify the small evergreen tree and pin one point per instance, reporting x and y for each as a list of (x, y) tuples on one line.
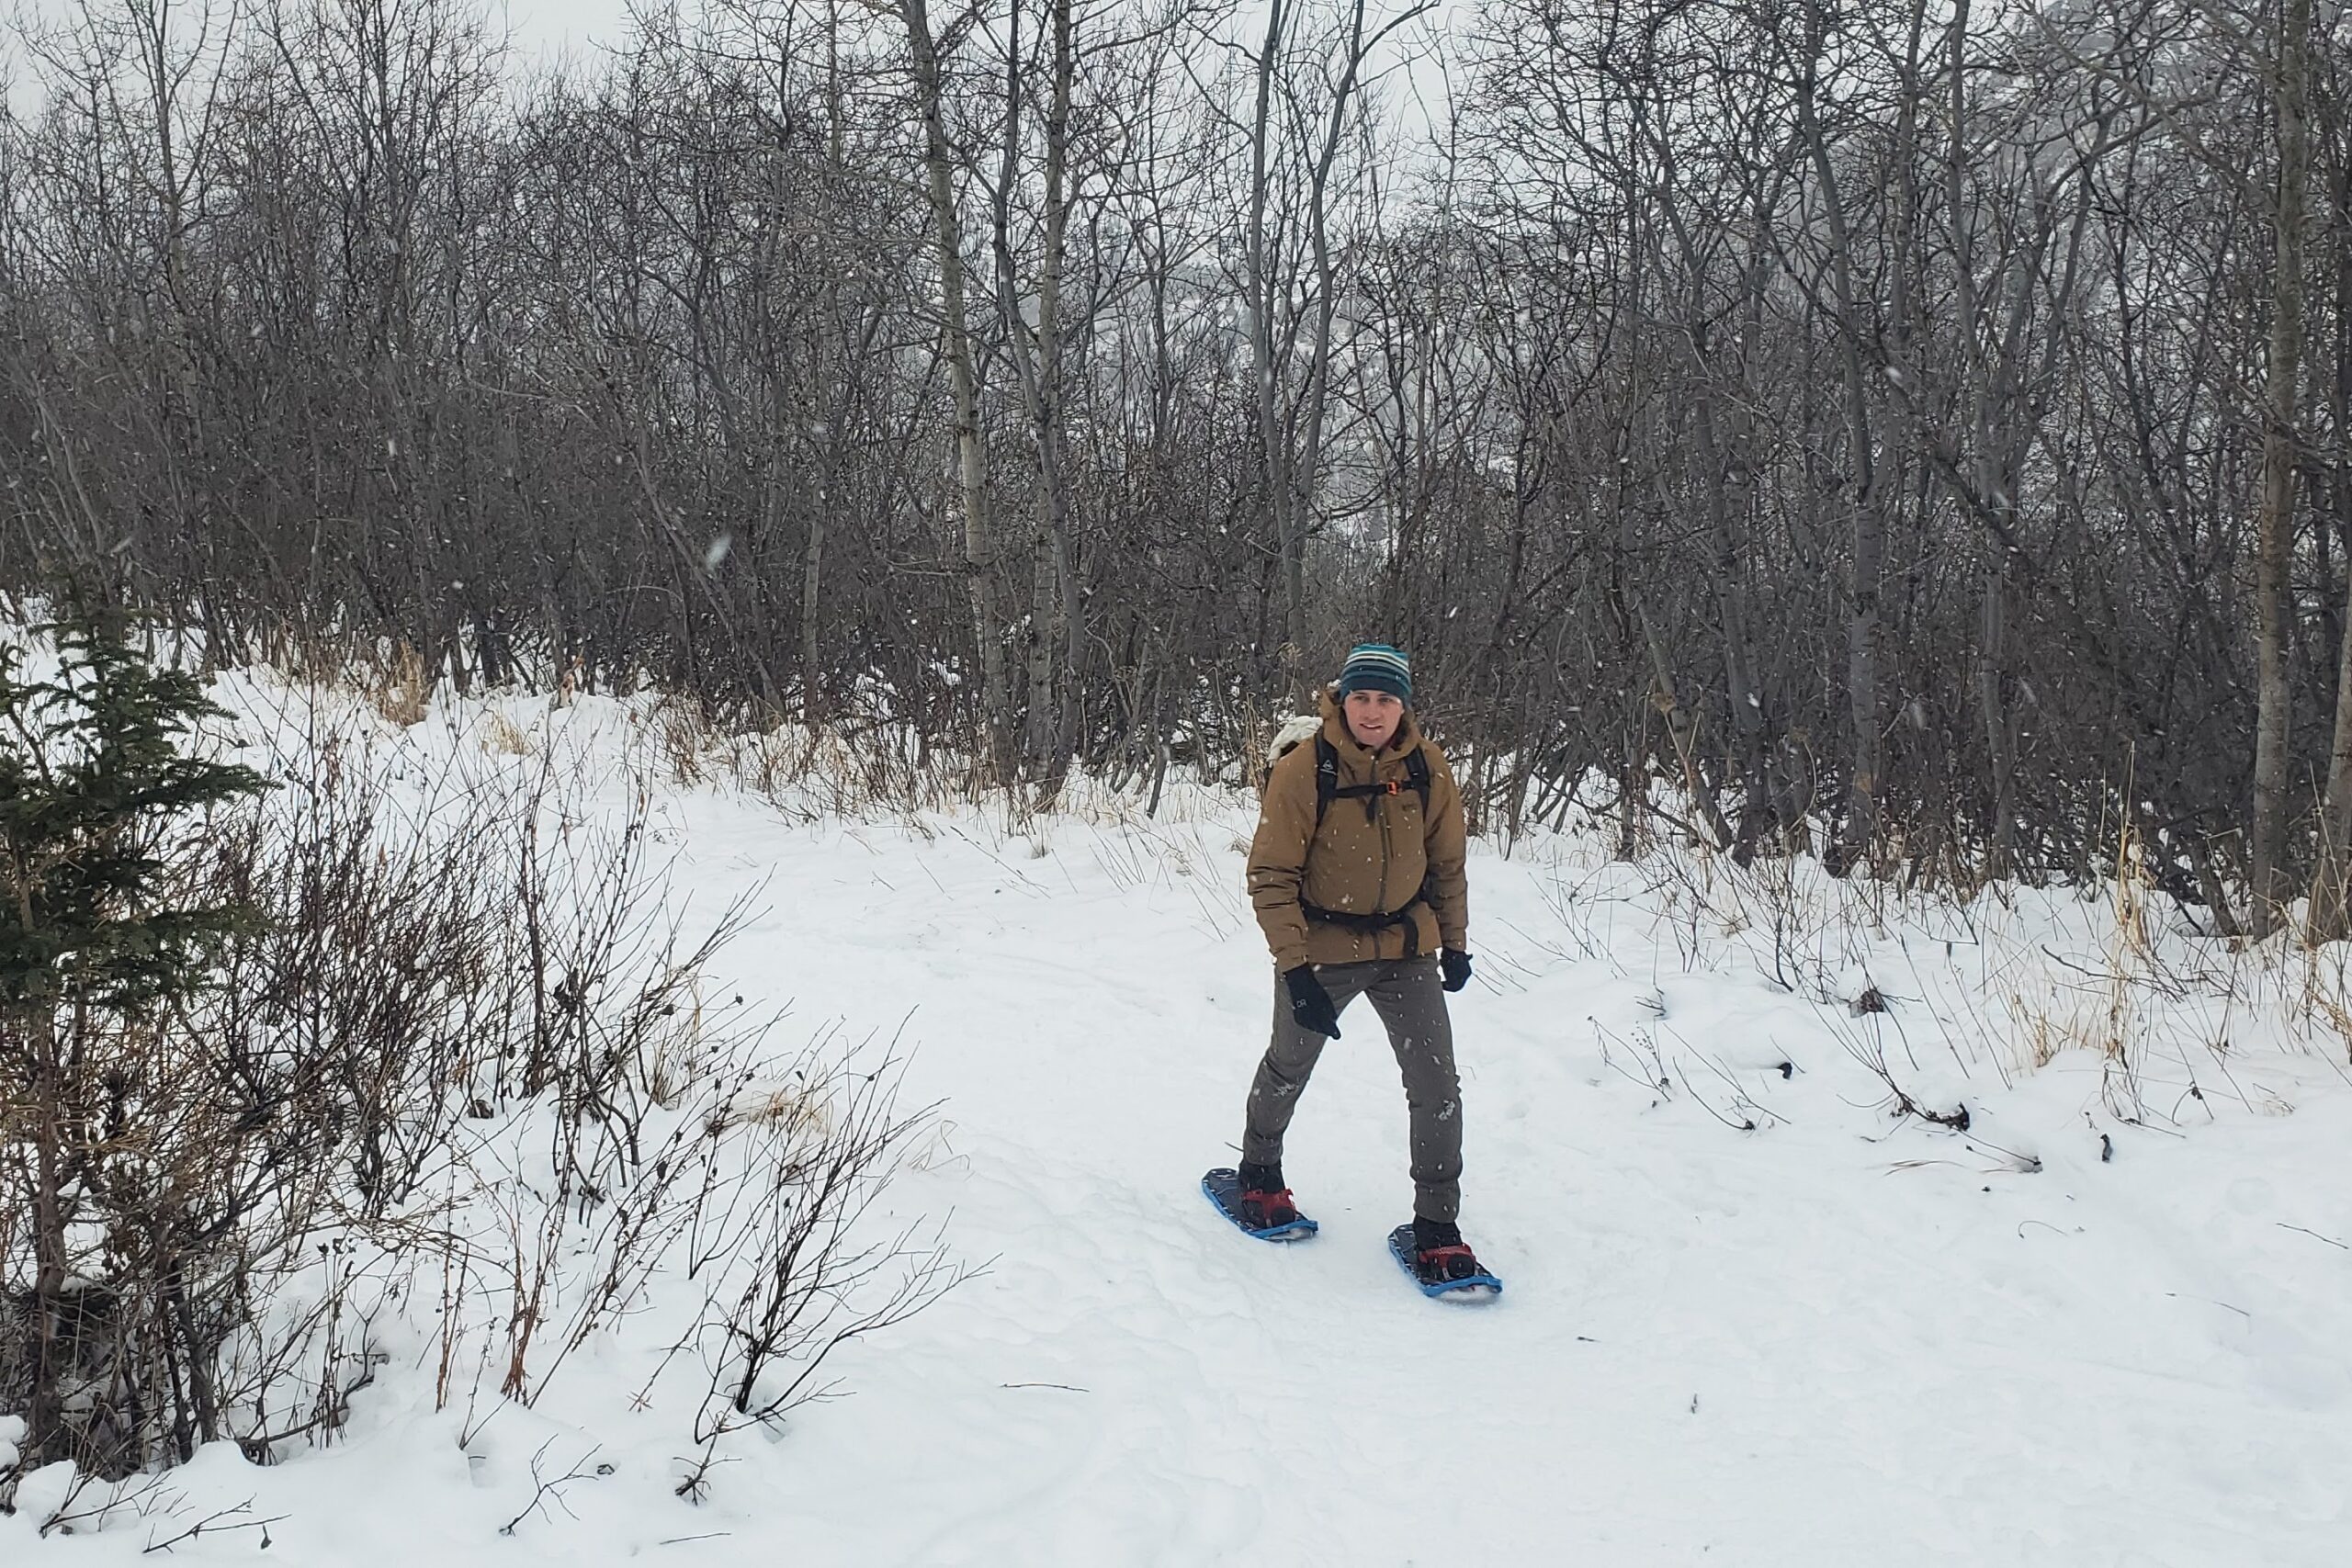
[(98, 792)]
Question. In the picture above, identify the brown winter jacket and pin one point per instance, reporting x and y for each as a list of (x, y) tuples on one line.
[(1359, 862)]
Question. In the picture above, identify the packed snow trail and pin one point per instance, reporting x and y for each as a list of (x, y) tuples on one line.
[(1834, 1341), (1838, 1338)]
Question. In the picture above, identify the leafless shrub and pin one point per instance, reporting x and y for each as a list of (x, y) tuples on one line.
[(1866, 1043), (788, 1279), (469, 1061)]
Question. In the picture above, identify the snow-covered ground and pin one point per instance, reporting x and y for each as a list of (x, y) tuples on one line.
[(1754, 1315)]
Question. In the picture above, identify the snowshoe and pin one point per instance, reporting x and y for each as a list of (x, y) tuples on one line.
[(1450, 1268), (1269, 1216)]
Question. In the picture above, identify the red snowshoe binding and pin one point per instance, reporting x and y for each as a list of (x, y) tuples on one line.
[(1439, 1255), (1263, 1204)]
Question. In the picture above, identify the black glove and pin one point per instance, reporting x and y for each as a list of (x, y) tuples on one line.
[(1457, 965), (1310, 1004)]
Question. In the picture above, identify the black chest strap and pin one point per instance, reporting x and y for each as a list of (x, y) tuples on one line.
[(1328, 787)]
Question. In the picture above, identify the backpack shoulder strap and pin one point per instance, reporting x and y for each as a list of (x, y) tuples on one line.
[(1326, 779), (1417, 770)]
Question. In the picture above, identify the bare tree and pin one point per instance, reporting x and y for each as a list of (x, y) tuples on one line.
[(1833, 427)]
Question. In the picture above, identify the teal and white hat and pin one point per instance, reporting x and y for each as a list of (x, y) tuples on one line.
[(1376, 667)]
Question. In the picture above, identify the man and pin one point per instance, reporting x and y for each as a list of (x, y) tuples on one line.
[(1356, 872)]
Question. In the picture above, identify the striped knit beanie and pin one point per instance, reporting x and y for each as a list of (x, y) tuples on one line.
[(1376, 667)]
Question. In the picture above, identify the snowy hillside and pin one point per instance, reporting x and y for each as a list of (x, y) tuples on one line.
[(1756, 1314)]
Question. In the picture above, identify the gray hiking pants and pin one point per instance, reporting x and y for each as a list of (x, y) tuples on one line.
[(1411, 1000)]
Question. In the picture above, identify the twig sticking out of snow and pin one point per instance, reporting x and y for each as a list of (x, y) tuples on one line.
[(550, 1489), (213, 1523)]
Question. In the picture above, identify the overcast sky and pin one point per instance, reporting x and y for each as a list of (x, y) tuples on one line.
[(540, 26), (537, 22), (542, 29), (555, 25)]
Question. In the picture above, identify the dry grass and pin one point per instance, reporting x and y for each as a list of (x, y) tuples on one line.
[(683, 732), (502, 736), (787, 1110), (400, 687), (2003, 985)]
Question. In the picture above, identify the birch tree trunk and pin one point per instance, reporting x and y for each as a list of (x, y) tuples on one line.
[(2275, 532), (1867, 522), (1273, 436), (2331, 914), (963, 381), (1057, 604)]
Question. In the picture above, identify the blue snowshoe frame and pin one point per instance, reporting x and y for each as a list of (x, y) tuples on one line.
[(1222, 1187), (1401, 1247)]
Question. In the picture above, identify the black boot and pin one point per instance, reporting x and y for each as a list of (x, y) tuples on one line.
[(1264, 1202), (1440, 1254), (1261, 1178)]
